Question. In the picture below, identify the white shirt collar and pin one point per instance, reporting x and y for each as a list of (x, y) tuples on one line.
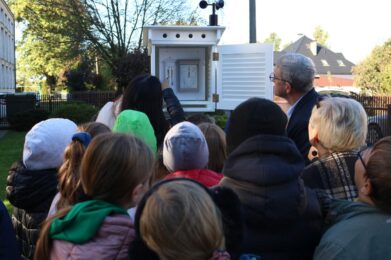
[(292, 108)]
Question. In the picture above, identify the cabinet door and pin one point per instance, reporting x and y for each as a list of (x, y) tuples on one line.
[(243, 72)]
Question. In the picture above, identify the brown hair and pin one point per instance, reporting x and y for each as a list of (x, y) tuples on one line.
[(113, 165), (378, 171), (215, 137), (94, 128), (68, 174), (181, 221), (160, 170)]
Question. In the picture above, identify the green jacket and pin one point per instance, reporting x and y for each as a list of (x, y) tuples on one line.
[(359, 231)]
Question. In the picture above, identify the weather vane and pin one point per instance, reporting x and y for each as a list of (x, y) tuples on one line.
[(213, 19)]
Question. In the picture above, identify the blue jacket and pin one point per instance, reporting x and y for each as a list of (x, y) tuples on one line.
[(8, 247), (359, 231), (297, 128)]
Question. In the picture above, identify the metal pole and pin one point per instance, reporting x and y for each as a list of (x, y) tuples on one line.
[(253, 20)]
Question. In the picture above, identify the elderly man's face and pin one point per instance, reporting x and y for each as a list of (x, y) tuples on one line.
[(279, 83)]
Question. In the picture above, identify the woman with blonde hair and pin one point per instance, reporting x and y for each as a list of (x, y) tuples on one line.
[(178, 219), (114, 173), (337, 129), (215, 138)]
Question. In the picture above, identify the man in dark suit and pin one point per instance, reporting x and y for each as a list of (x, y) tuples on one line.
[(293, 78)]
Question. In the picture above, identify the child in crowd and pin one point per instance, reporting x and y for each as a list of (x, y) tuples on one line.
[(136, 123), (362, 229), (186, 154), (145, 93), (114, 174), (32, 183), (199, 118), (215, 137), (282, 218), (69, 185), (178, 219), (337, 129)]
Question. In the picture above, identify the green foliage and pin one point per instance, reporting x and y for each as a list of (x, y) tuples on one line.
[(77, 112), (42, 51), (135, 63), (220, 118), (82, 77), (273, 38), (24, 121), (374, 73), (56, 32), (320, 35)]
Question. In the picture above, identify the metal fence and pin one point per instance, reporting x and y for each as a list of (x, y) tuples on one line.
[(14, 103), (378, 108)]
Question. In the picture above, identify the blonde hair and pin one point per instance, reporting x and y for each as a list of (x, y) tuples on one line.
[(341, 123), (181, 221), (113, 165), (215, 137)]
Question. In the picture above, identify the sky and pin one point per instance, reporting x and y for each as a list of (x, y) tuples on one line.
[(354, 27)]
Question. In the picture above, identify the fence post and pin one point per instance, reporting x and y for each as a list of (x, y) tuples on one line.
[(388, 119)]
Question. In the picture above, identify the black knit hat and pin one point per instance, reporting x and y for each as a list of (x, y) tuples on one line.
[(256, 116)]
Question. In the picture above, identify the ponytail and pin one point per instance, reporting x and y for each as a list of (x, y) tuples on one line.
[(44, 243)]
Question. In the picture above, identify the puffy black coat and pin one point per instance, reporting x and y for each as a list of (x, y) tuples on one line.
[(31, 193), (282, 218)]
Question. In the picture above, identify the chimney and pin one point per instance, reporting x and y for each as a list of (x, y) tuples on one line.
[(314, 48)]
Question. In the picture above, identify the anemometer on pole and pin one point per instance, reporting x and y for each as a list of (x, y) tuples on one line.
[(213, 19)]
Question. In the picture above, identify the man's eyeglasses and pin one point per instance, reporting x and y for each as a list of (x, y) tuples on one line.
[(272, 78)]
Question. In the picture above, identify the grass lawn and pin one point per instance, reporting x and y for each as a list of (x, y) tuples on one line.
[(11, 147)]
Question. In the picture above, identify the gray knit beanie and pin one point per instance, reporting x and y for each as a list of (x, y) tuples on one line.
[(185, 148)]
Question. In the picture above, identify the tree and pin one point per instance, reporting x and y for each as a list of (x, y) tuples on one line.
[(273, 38), (374, 73), (81, 76), (111, 28), (320, 35), (115, 28), (42, 52)]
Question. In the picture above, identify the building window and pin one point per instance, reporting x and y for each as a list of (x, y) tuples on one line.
[(325, 63), (340, 63)]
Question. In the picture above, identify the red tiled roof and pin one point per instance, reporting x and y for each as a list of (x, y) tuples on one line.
[(326, 80)]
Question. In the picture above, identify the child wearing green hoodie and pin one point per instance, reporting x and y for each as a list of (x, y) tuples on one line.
[(113, 178)]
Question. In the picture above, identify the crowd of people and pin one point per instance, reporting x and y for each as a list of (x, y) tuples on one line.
[(271, 185)]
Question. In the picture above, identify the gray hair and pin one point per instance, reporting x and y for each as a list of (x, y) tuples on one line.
[(298, 70)]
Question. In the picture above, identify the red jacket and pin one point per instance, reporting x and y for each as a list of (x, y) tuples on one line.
[(204, 176)]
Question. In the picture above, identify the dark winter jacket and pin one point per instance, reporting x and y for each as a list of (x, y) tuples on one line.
[(31, 193), (282, 217), (297, 128), (8, 248)]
